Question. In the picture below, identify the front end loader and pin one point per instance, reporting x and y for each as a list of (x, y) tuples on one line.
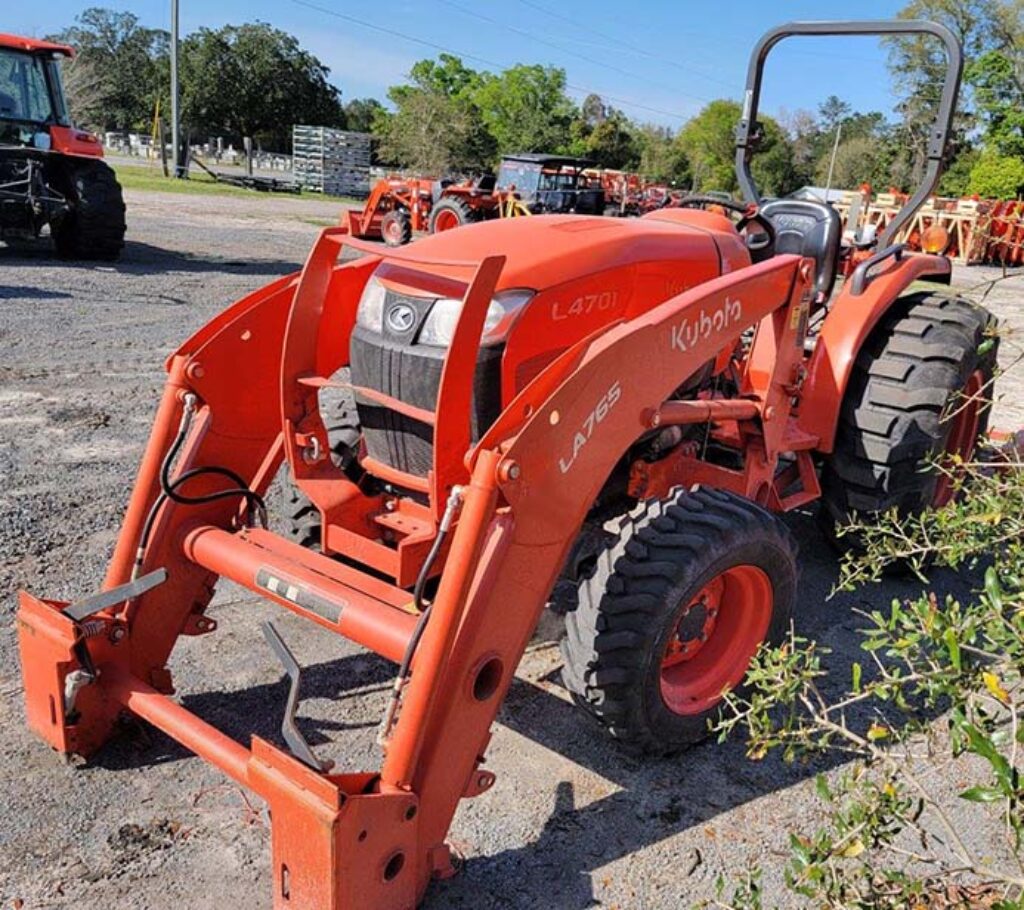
[(602, 415)]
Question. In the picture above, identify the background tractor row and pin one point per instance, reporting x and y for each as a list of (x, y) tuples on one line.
[(526, 184)]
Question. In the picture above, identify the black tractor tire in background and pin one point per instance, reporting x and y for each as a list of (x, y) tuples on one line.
[(94, 228), (300, 519), (451, 212), (396, 228), (904, 407), (674, 612)]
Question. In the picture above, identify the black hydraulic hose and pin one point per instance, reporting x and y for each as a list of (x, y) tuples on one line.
[(255, 506), (405, 668)]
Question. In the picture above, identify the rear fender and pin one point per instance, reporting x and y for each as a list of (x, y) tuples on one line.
[(847, 327), (66, 140)]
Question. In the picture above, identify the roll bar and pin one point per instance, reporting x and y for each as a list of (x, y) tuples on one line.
[(748, 133)]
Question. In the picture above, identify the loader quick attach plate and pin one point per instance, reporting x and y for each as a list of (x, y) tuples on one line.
[(363, 839)]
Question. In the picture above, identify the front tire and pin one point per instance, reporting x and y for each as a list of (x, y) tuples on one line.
[(921, 390), (95, 226), (301, 519), (674, 613), (396, 228)]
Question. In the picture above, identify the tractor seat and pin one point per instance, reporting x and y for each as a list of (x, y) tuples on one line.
[(810, 229)]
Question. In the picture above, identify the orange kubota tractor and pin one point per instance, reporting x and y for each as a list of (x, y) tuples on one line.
[(51, 173), (396, 207), (616, 409)]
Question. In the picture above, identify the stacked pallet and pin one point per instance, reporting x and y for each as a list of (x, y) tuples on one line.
[(336, 162)]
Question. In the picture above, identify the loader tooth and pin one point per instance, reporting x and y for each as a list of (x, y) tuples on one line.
[(289, 729)]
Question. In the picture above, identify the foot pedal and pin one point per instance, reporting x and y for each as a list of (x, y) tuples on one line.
[(289, 729)]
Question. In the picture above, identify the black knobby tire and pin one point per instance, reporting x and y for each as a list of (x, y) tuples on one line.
[(301, 518), (452, 208), (903, 401), (396, 228), (94, 228), (666, 554)]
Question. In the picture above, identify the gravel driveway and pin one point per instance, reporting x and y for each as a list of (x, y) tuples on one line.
[(571, 823)]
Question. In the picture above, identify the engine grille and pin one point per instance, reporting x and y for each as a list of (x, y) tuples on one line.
[(412, 374)]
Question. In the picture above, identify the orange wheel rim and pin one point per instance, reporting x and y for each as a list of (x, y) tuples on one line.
[(445, 221), (714, 636), (962, 439)]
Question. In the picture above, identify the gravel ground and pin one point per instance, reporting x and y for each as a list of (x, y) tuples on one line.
[(571, 823)]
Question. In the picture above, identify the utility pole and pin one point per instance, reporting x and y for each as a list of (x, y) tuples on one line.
[(175, 111), (832, 160)]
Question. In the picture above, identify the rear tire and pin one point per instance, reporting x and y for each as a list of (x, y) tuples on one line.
[(451, 212), (396, 228), (95, 226), (673, 614), (905, 406)]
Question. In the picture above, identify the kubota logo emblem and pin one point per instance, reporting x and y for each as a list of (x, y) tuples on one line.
[(688, 332), (401, 317)]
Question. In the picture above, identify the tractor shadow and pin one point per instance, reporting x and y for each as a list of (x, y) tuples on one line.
[(646, 801), (139, 258)]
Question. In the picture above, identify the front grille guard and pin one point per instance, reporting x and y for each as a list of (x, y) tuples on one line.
[(306, 367)]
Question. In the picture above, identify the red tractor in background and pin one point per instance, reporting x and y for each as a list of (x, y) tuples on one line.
[(51, 174), (526, 184), (618, 407), (396, 208)]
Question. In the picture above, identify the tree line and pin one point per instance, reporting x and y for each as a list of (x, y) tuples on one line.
[(446, 117)]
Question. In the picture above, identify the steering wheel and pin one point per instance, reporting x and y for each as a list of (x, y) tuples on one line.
[(760, 244)]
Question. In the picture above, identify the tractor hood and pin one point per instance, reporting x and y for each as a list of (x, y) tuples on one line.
[(546, 250)]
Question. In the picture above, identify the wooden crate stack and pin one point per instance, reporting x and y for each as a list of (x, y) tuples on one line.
[(336, 162)]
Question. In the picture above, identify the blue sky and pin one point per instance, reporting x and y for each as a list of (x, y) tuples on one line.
[(659, 60)]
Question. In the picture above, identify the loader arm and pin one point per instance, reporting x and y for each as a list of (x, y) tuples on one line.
[(361, 839)]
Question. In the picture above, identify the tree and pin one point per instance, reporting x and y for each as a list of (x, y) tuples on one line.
[(436, 127), (997, 177), (660, 157), (361, 113), (998, 83), (254, 80), (526, 109), (918, 67), (115, 79), (708, 140)]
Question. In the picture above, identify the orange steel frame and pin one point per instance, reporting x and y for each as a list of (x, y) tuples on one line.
[(375, 838)]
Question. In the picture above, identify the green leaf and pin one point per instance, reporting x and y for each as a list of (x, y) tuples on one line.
[(856, 676), (953, 647), (982, 795)]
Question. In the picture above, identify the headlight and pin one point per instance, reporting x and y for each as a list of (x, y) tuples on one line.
[(370, 312), (439, 328)]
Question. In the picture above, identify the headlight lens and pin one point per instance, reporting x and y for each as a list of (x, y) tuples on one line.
[(370, 312), (439, 328)]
